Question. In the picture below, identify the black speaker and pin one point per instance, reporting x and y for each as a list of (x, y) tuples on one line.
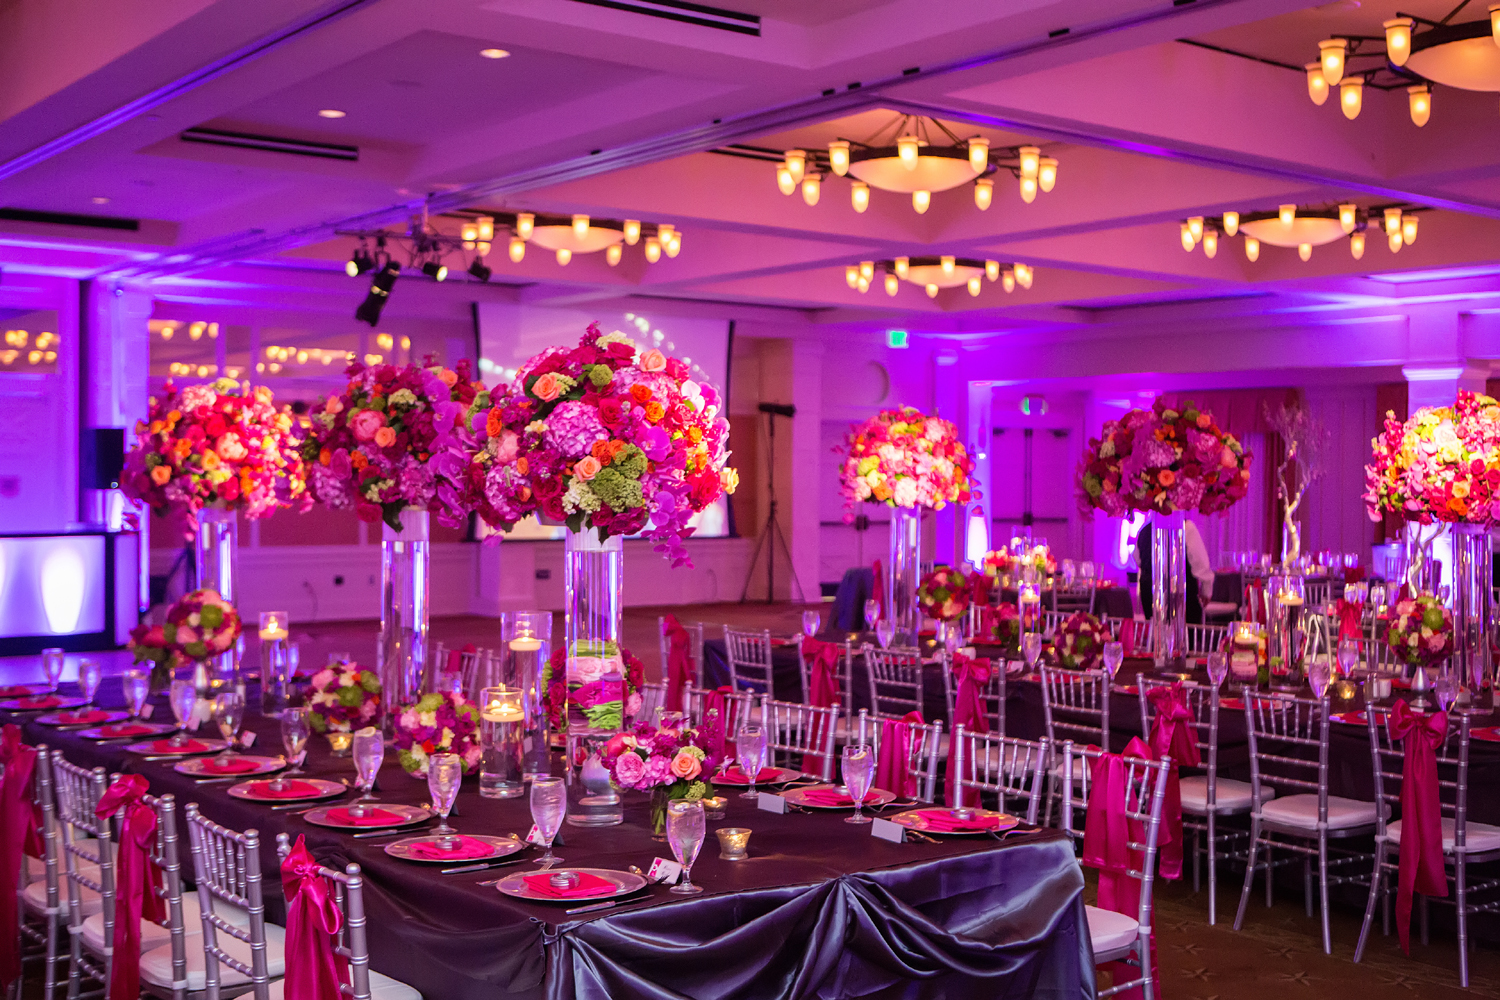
[(101, 456)]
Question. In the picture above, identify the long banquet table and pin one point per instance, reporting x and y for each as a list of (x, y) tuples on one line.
[(820, 909)]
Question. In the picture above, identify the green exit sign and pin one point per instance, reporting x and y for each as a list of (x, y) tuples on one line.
[(897, 338)]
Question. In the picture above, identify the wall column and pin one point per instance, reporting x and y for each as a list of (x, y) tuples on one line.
[(980, 440)]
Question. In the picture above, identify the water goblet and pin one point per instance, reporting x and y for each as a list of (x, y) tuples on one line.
[(295, 729), (1445, 690), (445, 772), (858, 767), (1031, 648), (884, 633), (549, 802), (183, 697), (750, 745), (136, 685), (1348, 655), (369, 752), (1114, 655), (229, 711), (1320, 676), (686, 830), (810, 622), (1218, 667), (52, 665), (872, 613), (89, 675)]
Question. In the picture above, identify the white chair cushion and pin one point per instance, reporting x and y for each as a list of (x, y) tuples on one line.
[(156, 964), (1478, 837), (35, 870), (1301, 811), (381, 988), (154, 935), (1110, 931), (1079, 763), (1230, 796), (35, 896)]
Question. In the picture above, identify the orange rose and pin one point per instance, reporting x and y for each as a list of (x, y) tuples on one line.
[(600, 450), (655, 411), (730, 478), (210, 461), (334, 405), (546, 387), (521, 465), (640, 393), (325, 457), (686, 766), (161, 474), (449, 377), (494, 423), (695, 434), (385, 437), (1166, 477), (587, 468), (358, 460), (615, 448)]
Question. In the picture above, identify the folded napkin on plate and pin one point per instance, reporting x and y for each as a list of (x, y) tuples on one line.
[(372, 817), (127, 729), (834, 797), (1490, 734), (467, 847), (84, 716), (1350, 718), (290, 790), (191, 746), (943, 821), (588, 885), (45, 701), (736, 776), (228, 765), (20, 690)]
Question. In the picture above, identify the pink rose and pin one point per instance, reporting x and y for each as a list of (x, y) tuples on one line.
[(686, 766), (385, 437), (365, 423), (546, 387), (587, 468), (334, 405), (585, 669), (653, 361), (628, 770), (505, 450), (231, 448)]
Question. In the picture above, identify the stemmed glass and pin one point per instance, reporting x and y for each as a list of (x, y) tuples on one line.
[(549, 801), (1114, 655), (52, 666), (445, 771), (369, 752), (750, 745), (810, 622), (1031, 648), (884, 632), (89, 675), (859, 770), (1348, 656), (1218, 667), (184, 700), (1445, 689), (872, 613), (136, 685), (686, 830), (1320, 675), (294, 733), (229, 710)]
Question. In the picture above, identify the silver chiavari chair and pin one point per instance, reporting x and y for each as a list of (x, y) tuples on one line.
[(924, 747), (43, 916), (845, 674), (695, 648), (653, 697), (1289, 753), (1464, 842), (1052, 619), (1004, 766), (1143, 635), (89, 864), (226, 867), (1206, 796), (1112, 626), (796, 731), (1318, 593), (1075, 706), (749, 656), (351, 941), (464, 679), (895, 679), (739, 707), (1118, 937), (994, 694), (1205, 639)]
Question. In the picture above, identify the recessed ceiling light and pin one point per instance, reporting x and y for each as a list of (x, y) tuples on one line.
[(330, 113), (494, 53), (99, 199)]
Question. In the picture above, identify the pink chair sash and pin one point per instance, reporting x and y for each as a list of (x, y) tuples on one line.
[(979, 590), (679, 661), (1127, 636), (314, 969), (1421, 867), (893, 764), (1172, 735), (455, 663), (878, 585), (716, 701), (968, 711), (1350, 626), (135, 882), (822, 666), (1108, 831), (20, 833)]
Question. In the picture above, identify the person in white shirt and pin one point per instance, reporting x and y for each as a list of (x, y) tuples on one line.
[(1200, 581)]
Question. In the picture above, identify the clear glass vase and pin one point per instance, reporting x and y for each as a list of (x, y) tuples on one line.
[(1471, 605), (903, 574), (1168, 590), (593, 583), (405, 585), (215, 560), (1286, 597)]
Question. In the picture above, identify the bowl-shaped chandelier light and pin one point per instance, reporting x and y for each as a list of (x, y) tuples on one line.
[(1292, 226), (566, 235), (1414, 55), (934, 274)]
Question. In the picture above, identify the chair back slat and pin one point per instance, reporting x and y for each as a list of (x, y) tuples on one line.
[(844, 674), (226, 866), (895, 679), (1008, 767), (166, 855), (994, 694), (352, 941), (1388, 760), (739, 707), (796, 731), (1288, 737), (1075, 703), (1203, 639), (924, 745), (749, 656)]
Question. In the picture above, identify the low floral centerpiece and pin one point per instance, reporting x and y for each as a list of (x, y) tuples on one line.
[(199, 626), (944, 594), (1163, 460), (1442, 465), (1420, 631), (397, 437), (1079, 641), (223, 445), (903, 458), (669, 763), (1003, 625), (441, 722), (345, 697)]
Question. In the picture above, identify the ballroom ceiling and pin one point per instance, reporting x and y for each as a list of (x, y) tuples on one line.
[(617, 114)]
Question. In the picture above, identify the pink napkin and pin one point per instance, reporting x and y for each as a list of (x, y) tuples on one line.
[(191, 746), (230, 765), (943, 821), (736, 776), (84, 716), (372, 817), (467, 847), (834, 797), (588, 885), (127, 729), (45, 701), (1490, 734), (1350, 718), (21, 690), (292, 790)]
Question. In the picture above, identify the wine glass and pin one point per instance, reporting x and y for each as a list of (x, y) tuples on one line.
[(872, 613), (1218, 667), (136, 685), (1320, 675), (1348, 654), (369, 752), (1445, 690), (445, 772), (52, 665), (810, 622), (859, 771), (884, 633), (294, 733), (750, 745), (549, 801), (89, 675), (1114, 655), (229, 710), (1031, 648), (184, 699), (686, 830)]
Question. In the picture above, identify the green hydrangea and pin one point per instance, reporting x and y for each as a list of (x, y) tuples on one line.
[(631, 461), (212, 615), (600, 375), (617, 490), (352, 696), (369, 681)]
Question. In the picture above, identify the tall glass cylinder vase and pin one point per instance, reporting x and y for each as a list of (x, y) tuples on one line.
[(1286, 598), (215, 559), (903, 574), (593, 581), (1471, 603), (405, 585), (1168, 590)]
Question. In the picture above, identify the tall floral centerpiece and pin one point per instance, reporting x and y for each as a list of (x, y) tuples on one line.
[(909, 462), (610, 439), (395, 447), (1441, 468), (1164, 461)]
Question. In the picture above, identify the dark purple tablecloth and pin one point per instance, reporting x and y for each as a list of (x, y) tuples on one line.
[(820, 909)]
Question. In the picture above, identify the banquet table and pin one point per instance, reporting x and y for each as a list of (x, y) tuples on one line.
[(820, 908)]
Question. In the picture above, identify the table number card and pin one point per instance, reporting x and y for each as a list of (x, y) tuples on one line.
[(247, 740), (770, 802), (664, 871), (146, 711), (886, 830)]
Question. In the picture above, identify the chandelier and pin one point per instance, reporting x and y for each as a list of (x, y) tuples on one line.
[(1303, 228), (937, 273), (912, 156), (1414, 53)]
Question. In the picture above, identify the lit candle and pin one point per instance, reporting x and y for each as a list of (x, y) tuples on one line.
[(504, 708), (525, 643), (273, 626)]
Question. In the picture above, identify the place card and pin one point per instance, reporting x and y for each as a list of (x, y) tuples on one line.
[(770, 802), (664, 871), (886, 830), (146, 711), (535, 837), (247, 740)]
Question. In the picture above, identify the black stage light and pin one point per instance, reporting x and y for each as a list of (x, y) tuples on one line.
[(359, 263), (380, 291), (435, 270), (479, 270)]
